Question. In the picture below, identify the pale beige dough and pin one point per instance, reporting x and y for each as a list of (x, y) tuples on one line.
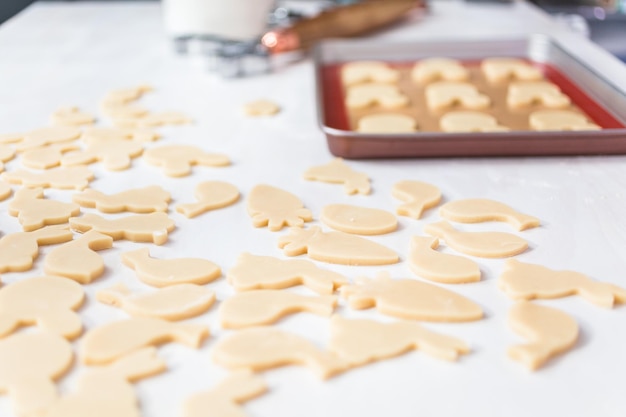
[(335, 247), (124, 111), (152, 227), (253, 272), (358, 220), (261, 108), (115, 155), (560, 120), (6, 154), (177, 160), (410, 299), (176, 302), (275, 208), (47, 302), (6, 138), (33, 211), (526, 93), (258, 307), (436, 69), (367, 95), (359, 72), (126, 95), (162, 118), (387, 123), (466, 121), (505, 69), (478, 210), (211, 195), (19, 250), (138, 200), (71, 116), (549, 332), (47, 136), (5, 190), (166, 272), (417, 195), (113, 133), (46, 157), (426, 262), (446, 94), (114, 340), (63, 178), (481, 244), (337, 172)]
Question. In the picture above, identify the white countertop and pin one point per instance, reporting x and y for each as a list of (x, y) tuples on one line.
[(73, 53)]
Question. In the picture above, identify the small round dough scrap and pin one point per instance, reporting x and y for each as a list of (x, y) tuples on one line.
[(211, 195), (71, 116), (560, 120), (360, 72), (438, 69), (448, 94), (47, 136), (527, 93), (387, 123), (358, 220), (261, 108), (470, 121), (504, 69), (368, 95)]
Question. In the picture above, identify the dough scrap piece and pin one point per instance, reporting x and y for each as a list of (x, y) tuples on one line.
[(446, 94), (113, 133), (265, 347), (112, 341), (138, 200), (126, 95), (151, 227), (366, 95), (275, 208), (335, 247), (47, 136), (6, 154), (261, 108), (481, 244), (360, 72), (387, 123), (504, 69), (478, 210), (253, 272), (527, 93), (524, 281), (410, 299), (259, 307), (549, 332), (71, 116), (436, 69), (29, 365), (358, 220), (225, 399), (5, 190), (467, 121), (211, 195), (337, 172), (63, 178), (19, 250), (362, 341), (177, 160), (165, 272), (560, 120), (35, 212), (47, 157), (426, 262), (176, 302), (417, 195), (47, 302), (115, 154)]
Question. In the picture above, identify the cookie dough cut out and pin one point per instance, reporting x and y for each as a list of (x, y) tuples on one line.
[(410, 299), (77, 259), (387, 123), (47, 136), (6, 154), (6, 138), (275, 208), (114, 133), (114, 340), (336, 247), (115, 155), (35, 212), (504, 69), (71, 116), (5, 190), (337, 172), (177, 160), (470, 122), (211, 195), (481, 244), (560, 120), (177, 302), (152, 227), (436, 69), (528, 281), (417, 195), (139, 200), (47, 156), (154, 119), (367, 95), (127, 111), (522, 94), (261, 108), (165, 272), (254, 308), (261, 348), (446, 94), (126, 95), (19, 250), (358, 220), (360, 72), (47, 302), (64, 178), (253, 272), (549, 332), (478, 210), (426, 262)]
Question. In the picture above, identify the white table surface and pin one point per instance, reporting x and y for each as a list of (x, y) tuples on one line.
[(72, 54)]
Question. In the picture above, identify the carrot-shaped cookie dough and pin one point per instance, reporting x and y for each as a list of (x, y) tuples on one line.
[(48, 156), (361, 341), (360, 72), (272, 207), (166, 272), (253, 272), (437, 69), (264, 347), (19, 250), (77, 259), (528, 281), (337, 172), (153, 227), (253, 308), (505, 69), (261, 108), (177, 160), (211, 195), (477, 210), (114, 340), (410, 299), (560, 120), (138, 200), (335, 247), (115, 155), (522, 94), (5, 190), (549, 332), (6, 154), (62, 178), (446, 94), (71, 116), (48, 302), (417, 195), (29, 365), (47, 136), (358, 220), (481, 244), (176, 302), (371, 94), (225, 399), (468, 121), (427, 263), (35, 212)]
